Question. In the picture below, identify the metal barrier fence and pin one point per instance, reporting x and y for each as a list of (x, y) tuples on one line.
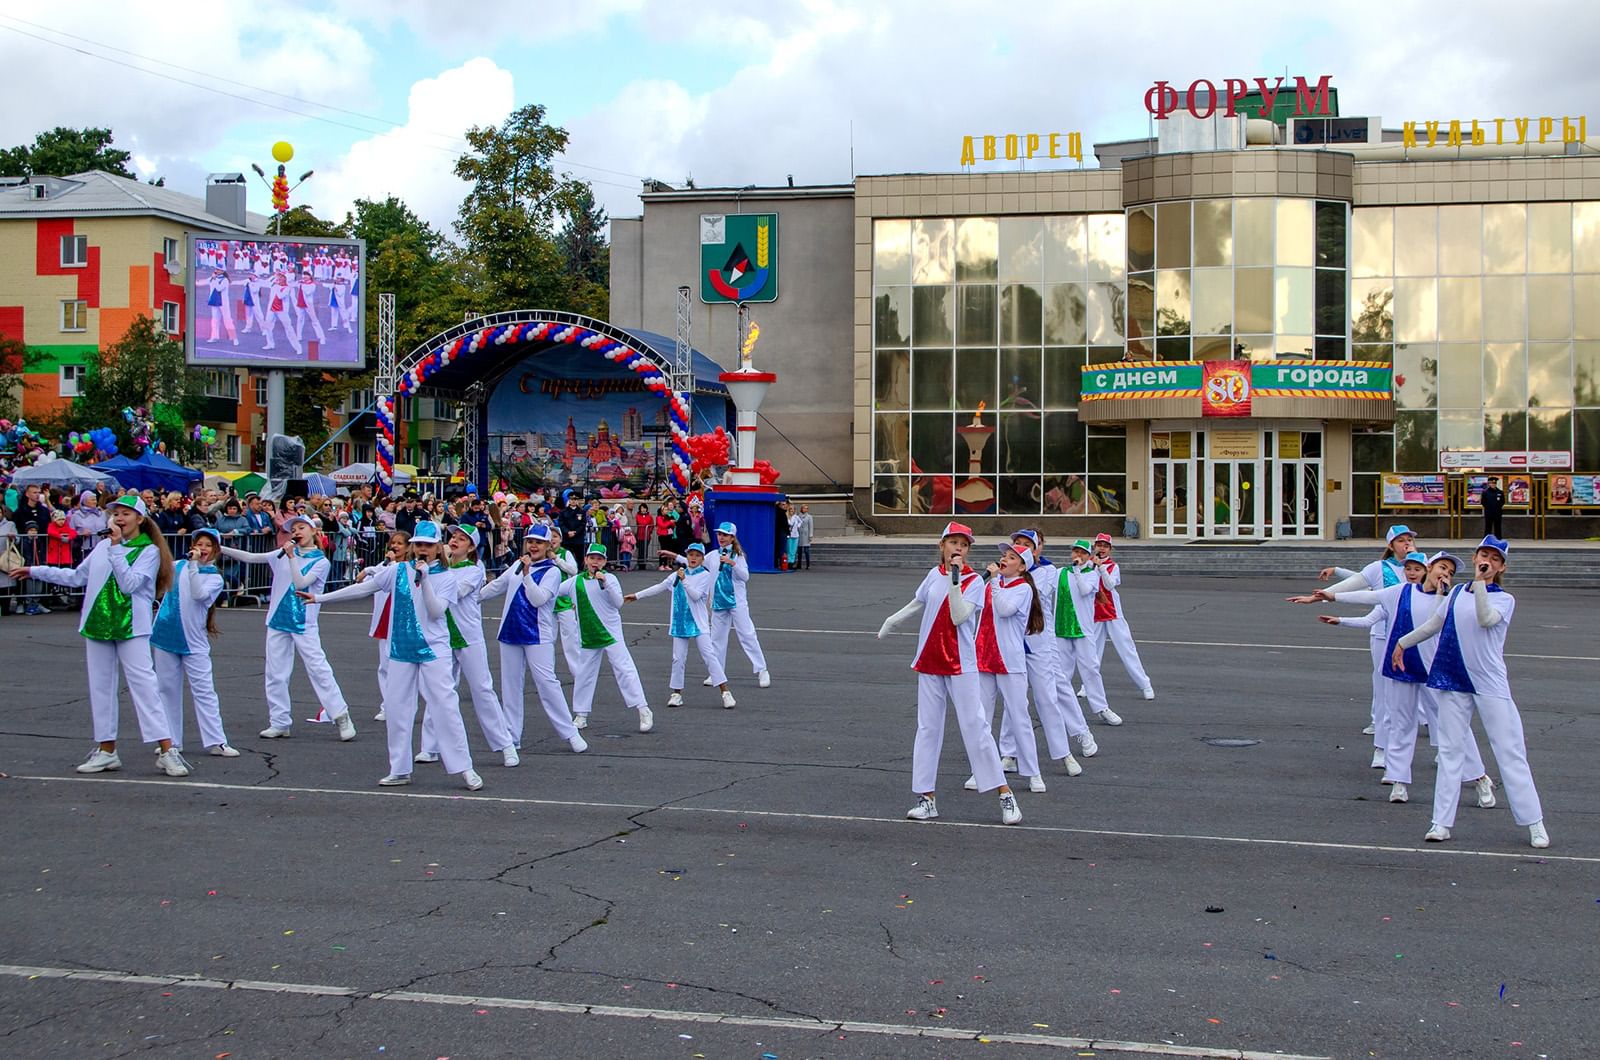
[(247, 584)]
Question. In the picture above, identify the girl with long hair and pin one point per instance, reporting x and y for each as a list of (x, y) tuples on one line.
[(122, 578), (1011, 612), (730, 602), (182, 634)]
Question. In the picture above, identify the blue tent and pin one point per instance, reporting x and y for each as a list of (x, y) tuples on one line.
[(151, 471)]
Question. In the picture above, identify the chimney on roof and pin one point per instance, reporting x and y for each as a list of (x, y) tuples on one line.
[(225, 194)]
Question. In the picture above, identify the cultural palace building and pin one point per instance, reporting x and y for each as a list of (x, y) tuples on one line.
[(1279, 324)]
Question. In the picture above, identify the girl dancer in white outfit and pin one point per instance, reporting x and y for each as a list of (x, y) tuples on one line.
[(730, 603), (690, 587), (528, 638), (1010, 613), (1060, 719), (297, 568), (949, 600), (1469, 673), (1379, 574), (121, 579), (1111, 622), (220, 301), (598, 606), (399, 547), (566, 618), (181, 638), (1077, 654), (469, 654), (419, 656)]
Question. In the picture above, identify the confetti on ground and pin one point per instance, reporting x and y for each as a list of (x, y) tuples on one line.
[(289, 932), (1502, 991), (1042, 1026), (1214, 909), (1115, 991), (1212, 1019)]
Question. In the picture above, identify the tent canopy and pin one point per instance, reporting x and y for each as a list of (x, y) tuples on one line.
[(363, 473), (59, 473), (151, 471)]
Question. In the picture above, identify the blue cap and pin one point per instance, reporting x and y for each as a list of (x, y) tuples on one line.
[(1031, 535), (468, 531), (728, 528), (1437, 556), (1396, 530), (206, 531), (1499, 544), (425, 533), (695, 546), (1416, 557), (539, 532), (298, 518)]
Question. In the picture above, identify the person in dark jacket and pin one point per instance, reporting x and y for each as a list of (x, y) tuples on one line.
[(574, 526), (1493, 500)]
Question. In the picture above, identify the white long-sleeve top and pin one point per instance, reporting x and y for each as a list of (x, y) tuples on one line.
[(1471, 626), (136, 578), (945, 647), (529, 615), (697, 585), (606, 599), (731, 571), (1045, 577), (431, 595), (180, 625), (1084, 583), (304, 571), (466, 610), (1107, 601), (1379, 574), (1003, 626), (1390, 603)]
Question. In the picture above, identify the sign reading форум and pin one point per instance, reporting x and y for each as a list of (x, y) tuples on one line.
[(1201, 100), (1271, 379)]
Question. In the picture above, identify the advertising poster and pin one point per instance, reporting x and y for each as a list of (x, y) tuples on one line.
[(1575, 491), (1518, 490), (1416, 491), (1225, 388)]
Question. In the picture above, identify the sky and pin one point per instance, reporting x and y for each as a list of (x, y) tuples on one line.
[(374, 95)]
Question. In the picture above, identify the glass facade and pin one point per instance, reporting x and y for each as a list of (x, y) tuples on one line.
[(980, 328), (1224, 279), (1491, 316)]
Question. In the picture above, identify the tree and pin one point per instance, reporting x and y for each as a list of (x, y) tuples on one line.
[(62, 152), (587, 253), (143, 368), (408, 257)]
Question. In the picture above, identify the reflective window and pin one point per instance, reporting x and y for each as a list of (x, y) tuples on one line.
[(1105, 313), (1586, 438), (1372, 310), (1066, 248), (1586, 373), (1296, 232), (1586, 236), (1065, 315), (1505, 429), (1505, 238), (933, 316), (1550, 307), (1331, 235), (1141, 239), (1252, 231), (975, 316), (1107, 246), (1416, 441), (1416, 377), (1252, 300), (1550, 237), (891, 316), (1550, 429), (1416, 309), (1331, 303), (933, 442), (1212, 301), (1460, 376), (1460, 240), (977, 249), (1020, 386), (892, 379), (1063, 377), (1172, 235), (1213, 232), (1372, 241), (892, 442), (1020, 437), (975, 379), (1021, 315), (1505, 307), (932, 379), (1550, 374), (1416, 250), (1460, 315), (1172, 302), (933, 251), (891, 251), (1292, 302), (1461, 430), (1141, 313), (1505, 374), (1021, 249), (1586, 307)]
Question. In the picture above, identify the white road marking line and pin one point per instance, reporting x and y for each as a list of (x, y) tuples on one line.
[(1169, 643), (894, 1030), (629, 807)]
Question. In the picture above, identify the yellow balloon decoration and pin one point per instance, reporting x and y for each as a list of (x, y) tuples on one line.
[(282, 151)]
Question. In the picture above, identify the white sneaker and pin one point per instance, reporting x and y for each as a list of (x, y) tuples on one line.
[(1398, 793), (272, 732), (675, 700), (764, 679), (427, 758), (1036, 785), (926, 809), (1081, 693), (581, 721), (1010, 813), (1087, 747), (347, 727), (578, 744), (709, 683), (1369, 731), (1537, 836), (222, 750), (1437, 833), (172, 764), (511, 758), (1008, 764), (1377, 759), (1150, 693), (101, 762), (971, 784), (471, 779), (728, 702), (380, 716), (1072, 767), (1109, 717), (647, 720), (394, 780), (1485, 788)]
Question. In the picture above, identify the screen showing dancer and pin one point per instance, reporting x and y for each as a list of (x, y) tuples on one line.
[(276, 302)]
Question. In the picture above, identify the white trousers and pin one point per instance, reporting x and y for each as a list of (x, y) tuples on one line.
[(1013, 692), (1405, 706), (383, 664), (1121, 638), (472, 665), (435, 681), (1057, 723), (132, 657), (518, 660), (567, 634), (738, 620), (1472, 767), (588, 675), (960, 692), (170, 671), (281, 650), (1378, 646), (1080, 656), (708, 655), (1503, 724)]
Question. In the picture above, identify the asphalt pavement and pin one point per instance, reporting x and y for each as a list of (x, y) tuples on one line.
[(1226, 878)]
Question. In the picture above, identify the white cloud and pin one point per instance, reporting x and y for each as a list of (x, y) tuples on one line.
[(481, 25), (414, 162)]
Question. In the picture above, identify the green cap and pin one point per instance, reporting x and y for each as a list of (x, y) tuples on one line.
[(596, 549), (1081, 543)]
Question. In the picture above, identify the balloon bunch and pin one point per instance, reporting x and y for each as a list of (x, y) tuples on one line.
[(23, 445), (143, 428), (97, 444), (768, 473), (204, 435), (709, 450)]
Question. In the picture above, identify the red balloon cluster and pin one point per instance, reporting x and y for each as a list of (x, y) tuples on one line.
[(768, 473), (707, 451)]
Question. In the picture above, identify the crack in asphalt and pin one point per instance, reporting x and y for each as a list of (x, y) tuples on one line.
[(73, 1011), (888, 942)]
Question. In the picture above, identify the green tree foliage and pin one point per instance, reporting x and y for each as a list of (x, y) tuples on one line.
[(144, 367), (586, 252), (408, 257), (62, 152)]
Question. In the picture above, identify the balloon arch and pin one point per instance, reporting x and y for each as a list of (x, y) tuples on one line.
[(463, 362)]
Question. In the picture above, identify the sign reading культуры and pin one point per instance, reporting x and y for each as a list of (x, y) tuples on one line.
[(738, 257), (1271, 379)]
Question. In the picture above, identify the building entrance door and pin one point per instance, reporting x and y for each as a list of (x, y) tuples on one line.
[(1172, 483), (1232, 505)]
